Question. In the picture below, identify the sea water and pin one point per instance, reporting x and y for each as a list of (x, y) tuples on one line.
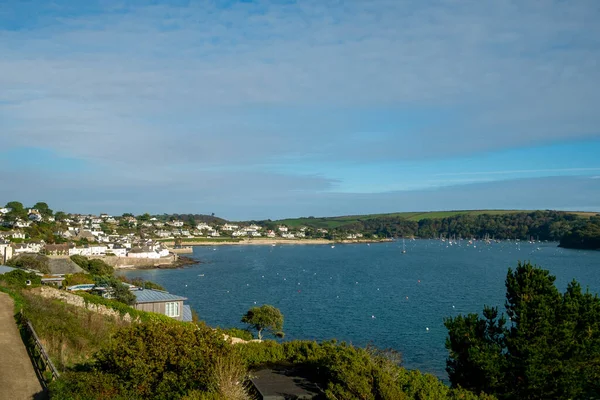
[(366, 294)]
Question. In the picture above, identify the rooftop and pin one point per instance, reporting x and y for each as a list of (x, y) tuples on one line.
[(155, 296)]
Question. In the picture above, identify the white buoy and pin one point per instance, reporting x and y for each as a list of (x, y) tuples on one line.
[(372, 316), (426, 329)]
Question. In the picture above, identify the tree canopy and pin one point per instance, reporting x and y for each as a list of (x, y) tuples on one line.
[(43, 209), (584, 237), (549, 348), (265, 317)]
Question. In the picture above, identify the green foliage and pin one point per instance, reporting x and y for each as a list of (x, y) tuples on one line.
[(550, 348), (29, 261), (119, 291), (584, 237), (18, 279), (60, 216), (77, 279), (43, 208), (547, 225), (89, 385), (17, 211), (43, 231), (265, 317), (93, 266), (347, 372), (70, 334), (181, 358)]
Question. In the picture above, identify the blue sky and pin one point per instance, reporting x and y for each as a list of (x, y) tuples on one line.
[(268, 109)]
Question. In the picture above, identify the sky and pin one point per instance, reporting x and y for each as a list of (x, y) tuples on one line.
[(272, 109)]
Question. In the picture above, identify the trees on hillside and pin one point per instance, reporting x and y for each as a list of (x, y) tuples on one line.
[(549, 347), (265, 318), (43, 208), (585, 237)]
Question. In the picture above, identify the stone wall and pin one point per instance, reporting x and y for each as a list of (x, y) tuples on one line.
[(78, 301), (130, 262)]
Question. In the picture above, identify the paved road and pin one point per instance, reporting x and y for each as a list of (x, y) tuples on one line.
[(17, 378)]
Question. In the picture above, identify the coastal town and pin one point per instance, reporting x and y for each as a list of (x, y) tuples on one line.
[(38, 230)]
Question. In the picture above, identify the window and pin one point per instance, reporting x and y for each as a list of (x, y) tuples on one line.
[(172, 309)]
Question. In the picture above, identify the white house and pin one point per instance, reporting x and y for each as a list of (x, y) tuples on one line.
[(256, 234), (287, 235), (214, 233), (80, 251), (228, 227), (283, 228), (177, 224), (98, 250), (271, 234), (32, 247), (5, 210), (202, 226), (159, 224), (17, 235), (19, 223), (239, 233), (162, 234)]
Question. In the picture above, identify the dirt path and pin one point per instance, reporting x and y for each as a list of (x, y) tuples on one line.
[(17, 377)]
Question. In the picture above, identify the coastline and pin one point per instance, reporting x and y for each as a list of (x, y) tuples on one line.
[(270, 242)]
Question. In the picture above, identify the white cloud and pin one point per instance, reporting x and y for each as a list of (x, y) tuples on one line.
[(152, 88)]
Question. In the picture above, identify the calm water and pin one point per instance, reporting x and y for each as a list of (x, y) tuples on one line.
[(364, 294)]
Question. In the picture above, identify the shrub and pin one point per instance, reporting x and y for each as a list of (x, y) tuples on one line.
[(161, 360), (93, 266), (77, 279), (28, 261), (18, 278)]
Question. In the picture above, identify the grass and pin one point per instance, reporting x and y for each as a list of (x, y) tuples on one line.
[(335, 222)]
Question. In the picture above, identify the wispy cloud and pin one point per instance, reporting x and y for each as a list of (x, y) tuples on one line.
[(521, 171)]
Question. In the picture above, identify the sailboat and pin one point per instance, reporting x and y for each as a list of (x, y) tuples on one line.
[(403, 247)]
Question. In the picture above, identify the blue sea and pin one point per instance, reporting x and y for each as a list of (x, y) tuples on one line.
[(363, 293)]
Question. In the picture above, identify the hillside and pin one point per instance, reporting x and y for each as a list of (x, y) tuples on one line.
[(336, 222)]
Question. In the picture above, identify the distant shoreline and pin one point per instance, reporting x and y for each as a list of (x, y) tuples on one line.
[(270, 242)]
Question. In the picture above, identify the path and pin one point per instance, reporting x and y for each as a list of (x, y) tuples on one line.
[(17, 377)]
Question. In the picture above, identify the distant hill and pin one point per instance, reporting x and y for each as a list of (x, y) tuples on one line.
[(336, 222), (479, 224)]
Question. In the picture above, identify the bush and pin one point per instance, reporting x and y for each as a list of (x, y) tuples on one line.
[(165, 360), (77, 279), (89, 385), (93, 266), (28, 261), (18, 278)]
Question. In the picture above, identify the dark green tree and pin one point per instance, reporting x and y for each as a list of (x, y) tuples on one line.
[(43, 208), (265, 317), (16, 211), (550, 348)]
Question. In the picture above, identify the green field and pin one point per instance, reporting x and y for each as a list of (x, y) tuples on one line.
[(334, 222)]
